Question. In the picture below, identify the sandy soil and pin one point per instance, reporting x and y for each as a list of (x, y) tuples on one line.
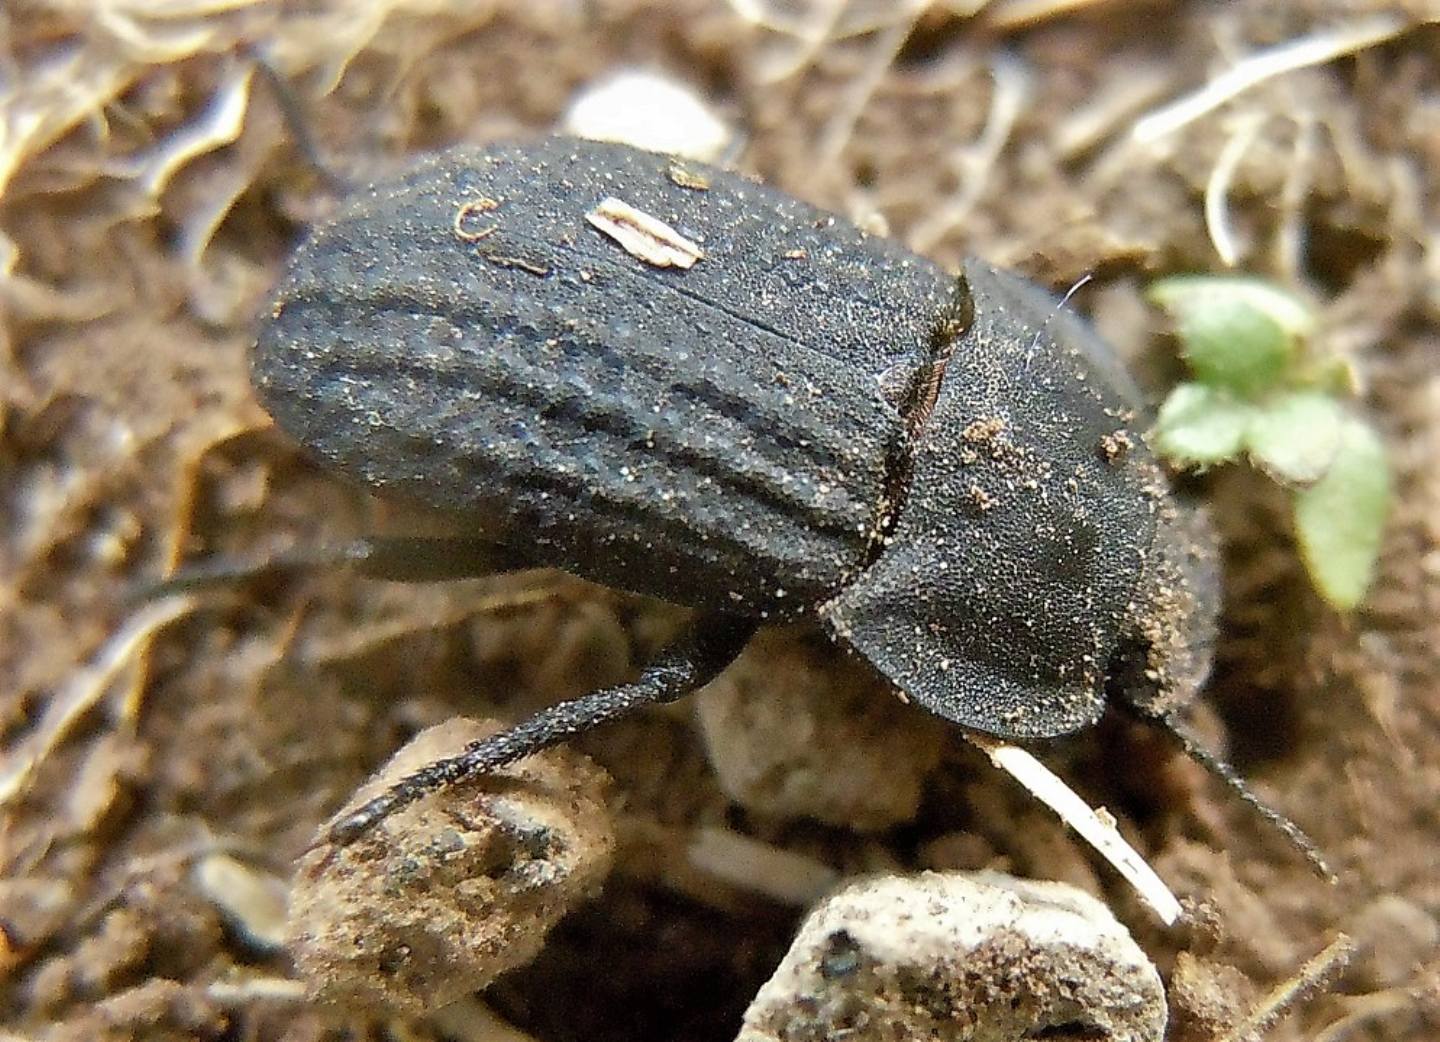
[(149, 194)]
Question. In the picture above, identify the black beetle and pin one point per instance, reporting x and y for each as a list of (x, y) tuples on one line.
[(666, 378)]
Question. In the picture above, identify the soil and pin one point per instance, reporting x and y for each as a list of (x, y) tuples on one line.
[(149, 195)]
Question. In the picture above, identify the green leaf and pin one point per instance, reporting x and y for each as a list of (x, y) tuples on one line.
[(1335, 376), (1200, 425), (1236, 332), (1294, 437), (1340, 518), (1289, 311)]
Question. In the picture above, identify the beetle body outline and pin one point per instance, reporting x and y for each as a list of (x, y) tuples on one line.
[(1124, 610), (808, 421)]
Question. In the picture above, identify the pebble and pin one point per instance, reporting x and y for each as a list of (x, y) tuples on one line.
[(453, 890), (960, 957)]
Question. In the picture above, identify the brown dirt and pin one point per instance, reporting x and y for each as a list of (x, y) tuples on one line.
[(135, 270)]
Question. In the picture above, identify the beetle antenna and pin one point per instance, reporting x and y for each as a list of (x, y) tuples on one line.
[(1218, 768), (1060, 305)]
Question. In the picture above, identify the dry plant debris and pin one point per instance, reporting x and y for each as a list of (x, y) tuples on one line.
[(148, 196), (1096, 827), (644, 236)]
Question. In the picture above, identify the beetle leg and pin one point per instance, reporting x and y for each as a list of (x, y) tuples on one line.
[(297, 121), (713, 642), (396, 558)]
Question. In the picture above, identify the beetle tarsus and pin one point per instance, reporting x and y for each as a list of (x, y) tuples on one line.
[(713, 644)]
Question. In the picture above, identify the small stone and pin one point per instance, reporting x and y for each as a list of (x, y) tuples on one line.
[(1209, 998), (253, 902), (650, 111), (447, 893), (794, 729), (960, 957)]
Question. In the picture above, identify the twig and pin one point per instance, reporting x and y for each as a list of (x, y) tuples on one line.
[(1021, 14), (86, 687), (252, 989), (470, 1020), (1365, 1008), (1217, 189), (1290, 230), (743, 861), (1099, 832), (814, 24), (1105, 114), (1265, 65), (188, 491), (1310, 979), (852, 103), (811, 32), (217, 126), (975, 161)]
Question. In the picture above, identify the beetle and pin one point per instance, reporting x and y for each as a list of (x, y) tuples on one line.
[(667, 378)]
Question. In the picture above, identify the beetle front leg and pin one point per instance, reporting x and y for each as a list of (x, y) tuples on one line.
[(711, 645)]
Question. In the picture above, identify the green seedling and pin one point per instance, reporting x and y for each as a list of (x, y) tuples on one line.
[(1258, 391)]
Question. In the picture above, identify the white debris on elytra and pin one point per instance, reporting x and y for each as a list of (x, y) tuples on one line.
[(960, 957), (650, 111), (643, 235)]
